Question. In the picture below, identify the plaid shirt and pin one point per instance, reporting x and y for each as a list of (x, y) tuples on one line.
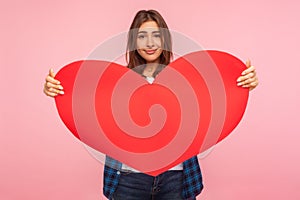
[(192, 177)]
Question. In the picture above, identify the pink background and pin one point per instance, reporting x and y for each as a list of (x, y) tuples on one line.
[(40, 159)]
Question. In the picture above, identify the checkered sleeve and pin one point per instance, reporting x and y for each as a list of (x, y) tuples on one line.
[(192, 178), (111, 176)]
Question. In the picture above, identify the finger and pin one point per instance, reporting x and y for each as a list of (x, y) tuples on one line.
[(53, 90), (251, 85), (245, 77), (50, 94), (52, 80), (243, 80), (51, 85), (249, 70), (56, 91), (249, 81)]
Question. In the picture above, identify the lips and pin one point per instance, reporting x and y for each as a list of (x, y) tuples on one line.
[(150, 52)]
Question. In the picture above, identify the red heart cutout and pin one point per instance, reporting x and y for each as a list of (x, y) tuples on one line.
[(107, 107)]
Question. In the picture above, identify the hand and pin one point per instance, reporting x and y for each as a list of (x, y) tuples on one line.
[(52, 86), (248, 79)]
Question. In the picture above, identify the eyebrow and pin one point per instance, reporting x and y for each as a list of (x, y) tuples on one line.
[(147, 32)]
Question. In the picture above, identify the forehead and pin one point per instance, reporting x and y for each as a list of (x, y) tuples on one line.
[(149, 26)]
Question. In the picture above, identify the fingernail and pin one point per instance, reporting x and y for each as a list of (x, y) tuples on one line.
[(60, 87), (239, 84), (61, 92), (238, 80), (243, 73)]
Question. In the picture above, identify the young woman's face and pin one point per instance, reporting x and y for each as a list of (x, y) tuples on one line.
[(149, 42)]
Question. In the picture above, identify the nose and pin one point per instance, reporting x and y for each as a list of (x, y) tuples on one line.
[(150, 42)]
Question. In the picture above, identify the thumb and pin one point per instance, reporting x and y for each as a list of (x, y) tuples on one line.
[(248, 63), (51, 73)]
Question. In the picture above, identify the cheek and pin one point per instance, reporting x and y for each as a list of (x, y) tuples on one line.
[(140, 44), (140, 52), (159, 52), (157, 42)]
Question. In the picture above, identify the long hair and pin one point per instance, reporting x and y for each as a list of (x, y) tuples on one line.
[(134, 60)]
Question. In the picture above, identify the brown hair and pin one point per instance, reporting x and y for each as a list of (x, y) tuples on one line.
[(133, 58)]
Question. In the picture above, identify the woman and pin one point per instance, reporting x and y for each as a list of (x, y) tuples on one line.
[(149, 49)]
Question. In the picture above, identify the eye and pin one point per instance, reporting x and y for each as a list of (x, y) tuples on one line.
[(157, 35), (141, 36)]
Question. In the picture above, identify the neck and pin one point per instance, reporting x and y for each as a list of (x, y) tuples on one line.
[(152, 66), (150, 69)]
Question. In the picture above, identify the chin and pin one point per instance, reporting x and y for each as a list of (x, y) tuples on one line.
[(152, 58)]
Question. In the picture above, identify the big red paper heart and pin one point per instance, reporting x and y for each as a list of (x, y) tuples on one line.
[(193, 104)]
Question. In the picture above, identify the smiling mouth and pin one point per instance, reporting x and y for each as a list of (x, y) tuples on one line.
[(150, 52)]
